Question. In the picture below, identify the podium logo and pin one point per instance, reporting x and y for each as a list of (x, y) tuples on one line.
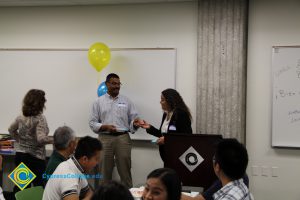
[(22, 176), (191, 159)]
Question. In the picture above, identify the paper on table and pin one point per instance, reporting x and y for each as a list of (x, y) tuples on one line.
[(191, 194), (122, 129), (137, 192)]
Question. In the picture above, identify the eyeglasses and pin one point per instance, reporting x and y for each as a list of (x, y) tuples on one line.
[(115, 84)]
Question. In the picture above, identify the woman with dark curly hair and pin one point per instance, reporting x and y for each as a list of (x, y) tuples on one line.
[(30, 130), (176, 118)]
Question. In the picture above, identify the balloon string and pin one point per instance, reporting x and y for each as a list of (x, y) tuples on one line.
[(98, 79)]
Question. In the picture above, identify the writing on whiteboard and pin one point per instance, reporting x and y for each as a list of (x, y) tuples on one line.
[(294, 115), (286, 93), (286, 96), (294, 112), (293, 120), (283, 70), (298, 68)]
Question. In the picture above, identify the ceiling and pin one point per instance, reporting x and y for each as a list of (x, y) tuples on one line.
[(5, 3)]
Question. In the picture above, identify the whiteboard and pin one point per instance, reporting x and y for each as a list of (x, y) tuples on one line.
[(71, 83), (286, 96)]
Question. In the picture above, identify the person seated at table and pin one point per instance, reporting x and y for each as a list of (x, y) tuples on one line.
[(162, 184), (1, 192), (112, 190), (217, 185), (69, 180), (1, 159), (64, 146), (229, 163)]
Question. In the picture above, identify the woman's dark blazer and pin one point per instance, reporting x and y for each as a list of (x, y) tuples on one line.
[(180, 123)]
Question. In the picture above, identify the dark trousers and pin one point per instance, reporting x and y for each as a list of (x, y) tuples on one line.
[(37, 166)]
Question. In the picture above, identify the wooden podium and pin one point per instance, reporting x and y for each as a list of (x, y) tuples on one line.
[(190, 155)]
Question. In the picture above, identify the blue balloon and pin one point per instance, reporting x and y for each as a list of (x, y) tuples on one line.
[(102, 89)]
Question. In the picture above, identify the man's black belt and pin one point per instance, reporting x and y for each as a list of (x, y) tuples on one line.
[(115, 133)]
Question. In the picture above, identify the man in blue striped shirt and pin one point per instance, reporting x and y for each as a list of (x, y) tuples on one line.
[(113, 116)]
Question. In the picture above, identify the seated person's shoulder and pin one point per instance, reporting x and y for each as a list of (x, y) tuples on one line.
[(71, 197)]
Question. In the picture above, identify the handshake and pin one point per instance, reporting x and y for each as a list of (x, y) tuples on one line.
[(141, 123)]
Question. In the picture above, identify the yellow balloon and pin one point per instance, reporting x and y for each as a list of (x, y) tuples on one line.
[(99, 56)]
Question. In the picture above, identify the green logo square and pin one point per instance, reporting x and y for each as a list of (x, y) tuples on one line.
[(22, 176)]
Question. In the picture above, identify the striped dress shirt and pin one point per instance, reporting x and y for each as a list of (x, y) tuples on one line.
[(119, 111)]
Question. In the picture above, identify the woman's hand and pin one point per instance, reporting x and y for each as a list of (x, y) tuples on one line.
[(161, 140), (145, 125)]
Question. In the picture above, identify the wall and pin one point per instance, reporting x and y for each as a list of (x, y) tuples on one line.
[(119, 26), (270, 23)]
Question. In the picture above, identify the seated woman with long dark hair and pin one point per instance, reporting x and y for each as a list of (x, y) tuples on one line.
[(162, 184)]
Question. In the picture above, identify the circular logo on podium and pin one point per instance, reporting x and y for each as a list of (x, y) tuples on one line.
[(191, 159)]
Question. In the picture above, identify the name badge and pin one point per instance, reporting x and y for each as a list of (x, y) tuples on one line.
[(122, 105), (172, 128)]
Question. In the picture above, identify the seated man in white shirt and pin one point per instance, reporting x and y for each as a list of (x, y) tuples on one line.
[(69, 180)]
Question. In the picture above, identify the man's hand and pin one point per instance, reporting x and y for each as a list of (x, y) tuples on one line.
[(138, 122), (109, 128)]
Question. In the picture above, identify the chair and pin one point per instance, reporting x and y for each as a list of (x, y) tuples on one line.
[(33, 193)]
